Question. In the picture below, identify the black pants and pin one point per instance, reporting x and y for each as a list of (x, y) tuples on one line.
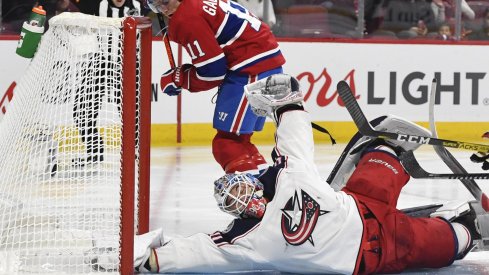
[(100, 77), (97, 80)]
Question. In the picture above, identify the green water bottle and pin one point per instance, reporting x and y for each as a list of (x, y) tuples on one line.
[(31, 33)]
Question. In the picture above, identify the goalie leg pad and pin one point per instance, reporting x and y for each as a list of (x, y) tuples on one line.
[(349, 158), (399, 125), (411, 243), (357, 146), (452, 210)]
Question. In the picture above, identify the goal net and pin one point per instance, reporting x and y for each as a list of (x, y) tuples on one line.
[(74, 149)]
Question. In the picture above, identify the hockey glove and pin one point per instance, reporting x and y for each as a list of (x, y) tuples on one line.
[(174, 79), (480, 157), (268, 94)]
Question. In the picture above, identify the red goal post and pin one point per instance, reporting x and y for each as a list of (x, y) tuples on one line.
[(131, 25), (75, 149)]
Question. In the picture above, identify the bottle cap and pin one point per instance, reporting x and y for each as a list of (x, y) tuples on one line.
[(39, 10)]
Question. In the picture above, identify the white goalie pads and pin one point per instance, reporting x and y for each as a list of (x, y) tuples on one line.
[(269, 93), (452, 210), (353, 152)]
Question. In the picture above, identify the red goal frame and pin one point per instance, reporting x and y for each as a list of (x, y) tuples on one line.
[(131, 26)]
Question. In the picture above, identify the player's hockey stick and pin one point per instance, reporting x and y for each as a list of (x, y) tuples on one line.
[(166, 40), (171, 60), (412, 166), (367, 130), (449, 159)]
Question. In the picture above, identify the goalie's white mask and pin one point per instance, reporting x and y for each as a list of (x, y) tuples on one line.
[(240, 195)]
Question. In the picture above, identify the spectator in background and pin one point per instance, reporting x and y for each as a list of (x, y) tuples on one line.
[(65, 6), (439, 10), (257, 8), (374, 14), (87, 6), (55, 7), (483, 32), (444, 32), (14, 13), (420, 29)]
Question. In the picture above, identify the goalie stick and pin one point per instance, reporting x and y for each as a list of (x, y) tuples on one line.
[(366, 129), (449, 159)]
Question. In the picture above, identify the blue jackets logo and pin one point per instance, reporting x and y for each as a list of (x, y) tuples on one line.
[(299, 218)]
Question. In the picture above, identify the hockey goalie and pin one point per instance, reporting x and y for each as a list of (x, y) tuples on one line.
[(288, 219)]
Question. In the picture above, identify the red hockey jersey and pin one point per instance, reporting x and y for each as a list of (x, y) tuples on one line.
[(222, 36)]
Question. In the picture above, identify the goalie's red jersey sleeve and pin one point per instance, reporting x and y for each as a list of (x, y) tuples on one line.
[(222, 36)]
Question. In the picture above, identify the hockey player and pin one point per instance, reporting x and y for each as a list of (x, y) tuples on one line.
[(229, 48), (289, 219)]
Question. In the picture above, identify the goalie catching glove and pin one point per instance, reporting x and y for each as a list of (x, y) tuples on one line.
[(173, 80), (268, 94)]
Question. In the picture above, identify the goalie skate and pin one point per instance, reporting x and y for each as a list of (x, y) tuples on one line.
[(351, 155), (473, 217), (482, 225)]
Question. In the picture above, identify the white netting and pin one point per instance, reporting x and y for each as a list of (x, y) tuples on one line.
[(60, 151)]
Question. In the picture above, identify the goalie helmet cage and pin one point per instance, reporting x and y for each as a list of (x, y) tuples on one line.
[(74, 149)]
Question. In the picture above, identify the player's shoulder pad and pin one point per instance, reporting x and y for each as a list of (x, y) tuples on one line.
[(189, 16), (239, 227)]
